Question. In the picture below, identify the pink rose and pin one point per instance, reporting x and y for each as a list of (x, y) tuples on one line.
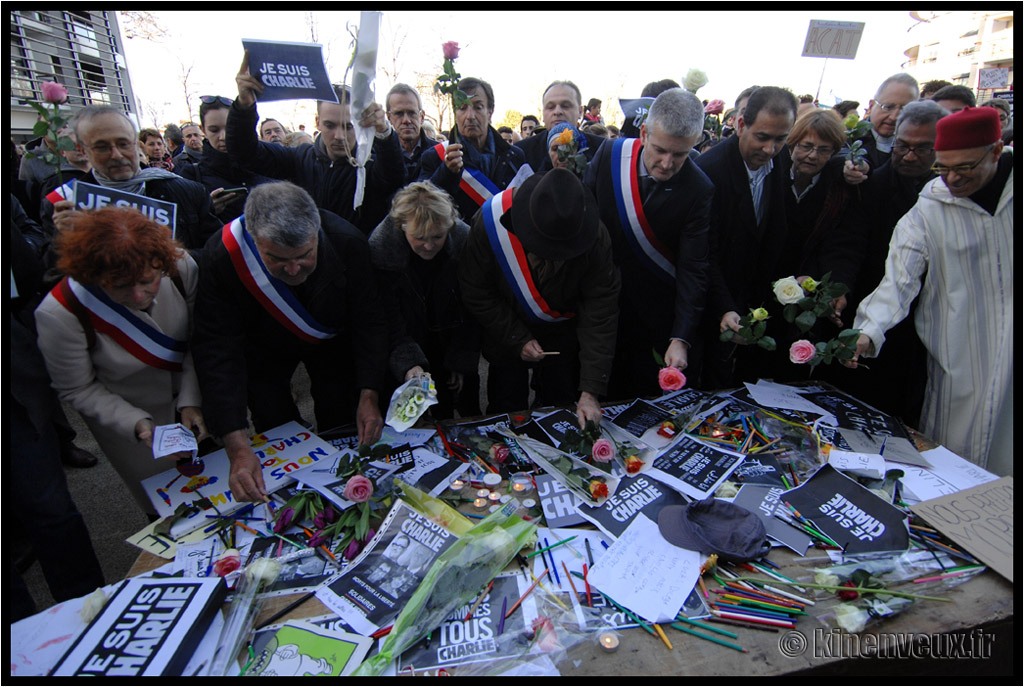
[(54, 92), (671, 379), (358, 489), (714, 107), (802, 351), (603, 450), (451, 50)]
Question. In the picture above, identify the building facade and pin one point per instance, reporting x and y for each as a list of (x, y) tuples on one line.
[(80, 49)]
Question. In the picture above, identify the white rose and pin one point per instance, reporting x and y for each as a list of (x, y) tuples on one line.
[(851, 618), (788, 290), (694, 79)]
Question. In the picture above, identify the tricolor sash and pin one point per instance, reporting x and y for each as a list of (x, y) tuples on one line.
[(635, 226), (273, 294), (512, 258), (473, 182), (134, 335)]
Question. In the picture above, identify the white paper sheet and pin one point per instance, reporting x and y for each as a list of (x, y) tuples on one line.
[(644, 573)]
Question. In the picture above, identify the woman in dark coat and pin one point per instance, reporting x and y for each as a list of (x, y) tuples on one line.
[(415, 252)]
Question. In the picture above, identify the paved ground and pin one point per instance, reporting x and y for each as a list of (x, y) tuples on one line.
[(109, 510)]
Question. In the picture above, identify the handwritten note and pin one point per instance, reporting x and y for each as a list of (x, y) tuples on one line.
[(979, 519), (864, 464), (633, 572), (781, 396)]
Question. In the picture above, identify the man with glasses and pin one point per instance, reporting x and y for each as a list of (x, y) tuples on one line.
[(107, 138), (884, 109), (955, 248), (895, 383), (406, 115)]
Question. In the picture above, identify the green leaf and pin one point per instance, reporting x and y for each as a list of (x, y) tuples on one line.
[(758, 329), (39, 108), (364, 522), (849, 337), (805, 321), (41, 128), (806, 303), (789, 312), (726, 335), (767, 343), (340, 549), (658, 358)]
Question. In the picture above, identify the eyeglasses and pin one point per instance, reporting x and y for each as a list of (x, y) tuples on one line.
[(889, 108), (213, 98), (961, 170), (921, 151), (124, 147), (808, 148), (402, 114)]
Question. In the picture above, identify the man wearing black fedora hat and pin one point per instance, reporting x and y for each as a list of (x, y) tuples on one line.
[(538, 276)]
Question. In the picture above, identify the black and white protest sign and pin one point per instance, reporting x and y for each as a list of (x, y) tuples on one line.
[(459, 641), (638, 494), (375, 587), (92, 197), (853, 414), (693, 468), (683, 400), (763, 469), (559, 504), (641, 416), (289, 71), (850, 514), (764, 501)]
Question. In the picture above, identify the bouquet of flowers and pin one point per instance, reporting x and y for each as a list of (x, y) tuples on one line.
[(453, 580), (593, 485), (803, 303), (410, 401)]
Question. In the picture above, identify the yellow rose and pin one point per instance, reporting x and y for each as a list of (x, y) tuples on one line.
[(564, 138), (810, 286), (759, 315), (788, 290)]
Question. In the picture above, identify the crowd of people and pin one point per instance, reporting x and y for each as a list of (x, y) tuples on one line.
[(575, 258)]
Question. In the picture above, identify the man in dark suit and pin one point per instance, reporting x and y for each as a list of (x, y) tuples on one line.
[(660, 247), (562, 102), (406, 115), (748, 230)]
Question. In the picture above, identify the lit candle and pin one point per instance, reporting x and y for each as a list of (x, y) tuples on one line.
[(480, 502), (521, 482), (609, 641), (457, 484), (482, 493), (494, 496)]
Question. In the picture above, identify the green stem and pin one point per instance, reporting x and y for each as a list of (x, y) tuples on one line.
[(837, 588)]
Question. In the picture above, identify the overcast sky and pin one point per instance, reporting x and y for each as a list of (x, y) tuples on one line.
[(607, 54)]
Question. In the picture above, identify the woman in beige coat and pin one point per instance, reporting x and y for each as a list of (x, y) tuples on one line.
[(114, 333)]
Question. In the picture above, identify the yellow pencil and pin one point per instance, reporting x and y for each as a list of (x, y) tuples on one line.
[(661, 633)]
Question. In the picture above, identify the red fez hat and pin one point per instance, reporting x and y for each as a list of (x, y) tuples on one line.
[(971, 127)]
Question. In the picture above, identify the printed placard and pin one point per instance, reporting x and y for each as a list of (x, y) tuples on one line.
[(92, 197), (640, 416), (635, 495), (979, 519), (850, 514), (377, 585), (693, 468), (558, 503), (764, 501), (289, 71)]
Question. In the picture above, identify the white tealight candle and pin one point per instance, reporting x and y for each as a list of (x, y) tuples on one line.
[(609, 641), (521, 482), (480, 502), (494, 496), (457, 484), (482, 493)]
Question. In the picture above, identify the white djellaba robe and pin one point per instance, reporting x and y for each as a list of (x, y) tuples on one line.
[(964, 318)]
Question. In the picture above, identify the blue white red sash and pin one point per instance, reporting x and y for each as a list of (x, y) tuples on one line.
[(512, 258), (271, 292), (134, 335), (473, 182), (638, 232)]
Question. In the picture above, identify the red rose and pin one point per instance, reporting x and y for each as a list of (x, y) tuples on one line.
[(450, 49), (802, 351), (671, 379), (633, 465), (598, 489), (848, 595), (229, 561), (358, 489)]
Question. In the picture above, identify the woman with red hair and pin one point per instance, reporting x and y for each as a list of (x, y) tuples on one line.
[(114, 334)]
